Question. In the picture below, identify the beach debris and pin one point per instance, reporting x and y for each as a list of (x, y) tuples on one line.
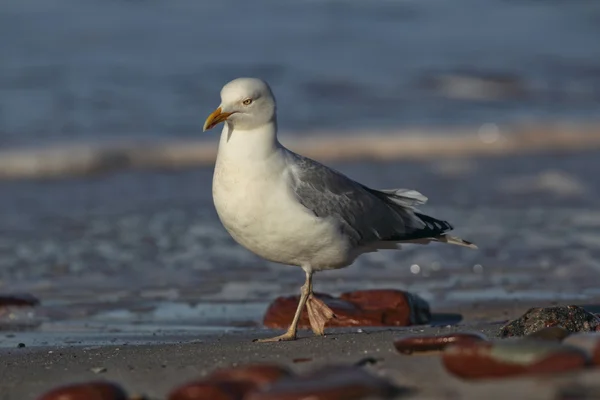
[(98, 370), (301, 360), (231, 383), (95, 390), (571, 318), (551, 333), (367, 361), (329, 383), (423, 344), (505, 358), (387, 307), (18, 300), (588, 342), (17, 312)]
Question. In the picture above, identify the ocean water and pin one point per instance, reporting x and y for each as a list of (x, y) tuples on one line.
[(140, 251), (93, 70), (145, 250)]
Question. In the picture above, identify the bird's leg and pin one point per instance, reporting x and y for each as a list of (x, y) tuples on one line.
[(293, 329), (318, 312)]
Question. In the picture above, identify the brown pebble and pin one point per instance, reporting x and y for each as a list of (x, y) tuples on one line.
[(87, 391), (420, 344), (231, 383), (361, 308), (481, 360), (257, 374), (206, 390), (588, 342), (331, 383)]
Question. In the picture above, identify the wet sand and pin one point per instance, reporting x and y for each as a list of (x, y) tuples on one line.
[(167, 360), (153, 364)]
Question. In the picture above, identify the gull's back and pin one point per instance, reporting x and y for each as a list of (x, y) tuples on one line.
[(367, 217)]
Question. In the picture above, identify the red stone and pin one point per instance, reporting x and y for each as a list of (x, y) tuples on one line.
[(419, 344), (361, 308), (256, 374), (231, 383), (207, 390), (87, 391), (332, 383), (588, 342), (482, 360)]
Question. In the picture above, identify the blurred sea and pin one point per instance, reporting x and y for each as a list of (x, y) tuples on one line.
[(145, 250), (92, 70)]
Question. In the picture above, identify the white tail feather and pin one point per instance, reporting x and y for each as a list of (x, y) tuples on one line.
[(405, 197)]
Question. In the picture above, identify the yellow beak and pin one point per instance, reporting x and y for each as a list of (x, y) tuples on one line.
[(215, 118)]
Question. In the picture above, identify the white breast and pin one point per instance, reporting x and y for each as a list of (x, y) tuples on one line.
[(257, 207)]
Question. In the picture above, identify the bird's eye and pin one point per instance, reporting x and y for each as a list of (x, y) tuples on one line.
[(247, 102)]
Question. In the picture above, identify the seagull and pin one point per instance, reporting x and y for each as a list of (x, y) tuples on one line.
[(290, 209)]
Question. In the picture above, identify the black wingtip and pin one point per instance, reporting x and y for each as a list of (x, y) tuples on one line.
[(435, 226)]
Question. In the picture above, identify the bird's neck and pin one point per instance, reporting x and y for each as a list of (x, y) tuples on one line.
[(249, 145)]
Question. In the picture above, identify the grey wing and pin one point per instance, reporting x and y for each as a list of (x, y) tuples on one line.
[(365, 215)]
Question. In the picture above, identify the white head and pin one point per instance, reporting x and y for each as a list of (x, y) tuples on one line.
[(246, 103)]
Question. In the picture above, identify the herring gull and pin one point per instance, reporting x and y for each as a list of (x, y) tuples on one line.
[(292, 210)]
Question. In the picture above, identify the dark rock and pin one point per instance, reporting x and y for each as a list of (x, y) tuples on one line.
[(18, 300), (360, 308), (301, 360), (483, 360), (16, 312), (571, 318), (87, 391), (330, 383), (551, 333), (420, 344)]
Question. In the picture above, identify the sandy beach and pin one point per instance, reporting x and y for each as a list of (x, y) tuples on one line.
[(168, 359)]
